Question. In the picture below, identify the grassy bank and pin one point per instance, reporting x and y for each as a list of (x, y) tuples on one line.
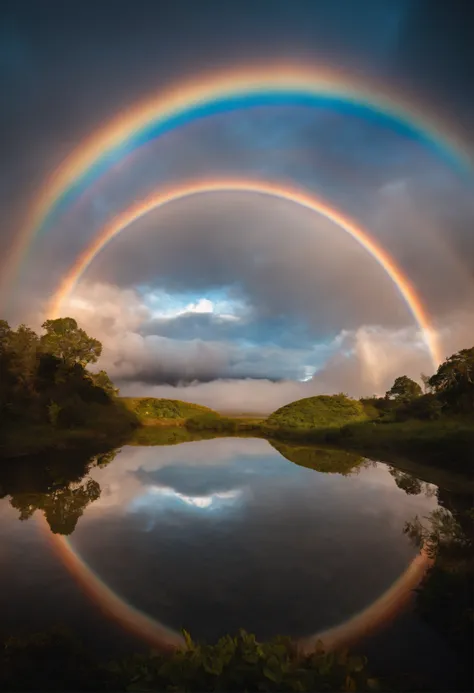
[(151, 411), (444, 444), (336, 421)]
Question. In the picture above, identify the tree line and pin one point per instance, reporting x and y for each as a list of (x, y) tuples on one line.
[(449, 392), (44, 379)]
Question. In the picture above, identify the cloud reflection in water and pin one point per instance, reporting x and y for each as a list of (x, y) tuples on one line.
[(154, 499)]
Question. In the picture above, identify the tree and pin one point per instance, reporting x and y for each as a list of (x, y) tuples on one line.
[(454, 380), (69, 342), (18, 360), (106, 458), (428, 407), (62, 507), (407, 482), (6, 378), (425, 379), (102, 380), (404, 389), (5, 331), (44, 380)]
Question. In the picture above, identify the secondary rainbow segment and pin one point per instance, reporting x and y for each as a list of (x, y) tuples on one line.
[(209, 95), (185, 190), (386, 607)]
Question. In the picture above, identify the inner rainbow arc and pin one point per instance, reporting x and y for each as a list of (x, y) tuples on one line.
[(188, 189)]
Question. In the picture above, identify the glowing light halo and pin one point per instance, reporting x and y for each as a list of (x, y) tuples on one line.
[(188, 189), (211, 94), (161, 637)]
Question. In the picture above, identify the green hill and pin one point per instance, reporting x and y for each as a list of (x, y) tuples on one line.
[(154, 411), (322, 411), (327, 460)]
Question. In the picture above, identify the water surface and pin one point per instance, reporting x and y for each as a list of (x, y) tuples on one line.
[(212, 536)]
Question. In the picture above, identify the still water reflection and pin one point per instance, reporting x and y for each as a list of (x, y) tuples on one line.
[(209, 535)]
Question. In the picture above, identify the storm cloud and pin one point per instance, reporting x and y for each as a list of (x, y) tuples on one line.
[(237, 300)]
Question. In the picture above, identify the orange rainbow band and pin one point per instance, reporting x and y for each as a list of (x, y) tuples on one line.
[(206, 95), (184, 190), (385, 608)]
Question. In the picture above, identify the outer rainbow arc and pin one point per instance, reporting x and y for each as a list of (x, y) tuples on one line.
[(156, 200), (206, 90)]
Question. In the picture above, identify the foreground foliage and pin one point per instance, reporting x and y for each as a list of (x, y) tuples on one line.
[(56, 660)]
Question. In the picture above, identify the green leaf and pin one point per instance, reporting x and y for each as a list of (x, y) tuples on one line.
[(272, 669), (213, 665), (280, 651), (250, 656), (188, 639), (350, 684)]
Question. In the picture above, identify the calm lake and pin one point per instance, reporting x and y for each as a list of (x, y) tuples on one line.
[(217, 535)]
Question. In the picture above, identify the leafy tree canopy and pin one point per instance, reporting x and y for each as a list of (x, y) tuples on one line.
[(69, 342), (44, 380), (454, 380), (102, 380), (404, 389)]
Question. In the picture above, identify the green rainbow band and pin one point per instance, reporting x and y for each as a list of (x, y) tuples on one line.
[(208, 95)]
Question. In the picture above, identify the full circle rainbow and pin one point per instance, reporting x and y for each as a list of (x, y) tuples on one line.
[(185, 190), (207, 95), (376, 615)]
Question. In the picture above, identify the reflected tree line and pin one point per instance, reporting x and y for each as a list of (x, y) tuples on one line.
[(445, 600), (60, 491)]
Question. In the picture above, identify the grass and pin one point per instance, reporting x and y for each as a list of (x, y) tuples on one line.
[(323, 411), (335, 421), (163, 412), (445, 442), (211, 421), (166, 435)]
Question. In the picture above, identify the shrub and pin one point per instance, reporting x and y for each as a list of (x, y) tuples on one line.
[(321, 411), (211, 422), (428, 407)]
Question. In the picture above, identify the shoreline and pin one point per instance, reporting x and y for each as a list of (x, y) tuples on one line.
[(441, 445)]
